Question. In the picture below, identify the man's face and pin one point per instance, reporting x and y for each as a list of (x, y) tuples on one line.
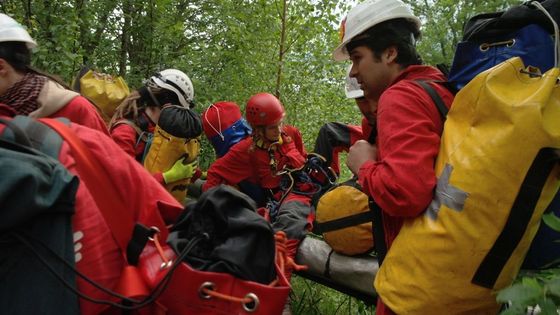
[(373, 74), (368, 108)]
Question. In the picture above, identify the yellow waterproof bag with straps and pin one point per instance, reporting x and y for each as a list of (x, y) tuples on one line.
[(497, 172), (344, 219), (104, 90), (176, 136)]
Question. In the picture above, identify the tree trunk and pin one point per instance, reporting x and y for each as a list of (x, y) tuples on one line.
[(281, 50), (125, 40)]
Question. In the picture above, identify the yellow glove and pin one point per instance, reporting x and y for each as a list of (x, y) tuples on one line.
[(180, 171)]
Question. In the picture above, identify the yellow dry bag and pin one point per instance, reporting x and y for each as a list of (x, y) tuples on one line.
[(344, 219), (104, 90), (176, 136), (497, 172)]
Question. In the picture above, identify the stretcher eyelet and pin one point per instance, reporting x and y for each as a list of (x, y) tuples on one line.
[(166, 264), (208, 286), (253, 305), (154, 231)]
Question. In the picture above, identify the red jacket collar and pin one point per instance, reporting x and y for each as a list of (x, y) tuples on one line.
[(416, 72)]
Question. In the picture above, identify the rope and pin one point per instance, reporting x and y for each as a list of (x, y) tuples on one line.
[(284, 261), (226, 297), (160, 249), (156, 292), (219, 132)]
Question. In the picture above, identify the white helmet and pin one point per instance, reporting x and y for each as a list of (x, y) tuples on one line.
[(352, 88), (12, 31), (178, 82), (368, 14)]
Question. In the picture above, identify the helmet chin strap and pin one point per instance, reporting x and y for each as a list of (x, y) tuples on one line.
[(153, 97), (262, 142)]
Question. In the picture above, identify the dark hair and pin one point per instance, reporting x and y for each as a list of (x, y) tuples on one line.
[(401, 33), (149, 95), (19, 57), (16, 54)]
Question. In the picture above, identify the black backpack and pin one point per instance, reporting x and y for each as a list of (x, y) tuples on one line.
[(37, 194)]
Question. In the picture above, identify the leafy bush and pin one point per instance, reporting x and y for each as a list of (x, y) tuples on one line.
[(533, 288)]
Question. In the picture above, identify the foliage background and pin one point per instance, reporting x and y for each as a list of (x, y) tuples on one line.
[(231, 49)]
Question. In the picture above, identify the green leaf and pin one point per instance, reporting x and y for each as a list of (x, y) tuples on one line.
[(531, 282), (552, 220), (520, 294), (548, 307), (552, 286)]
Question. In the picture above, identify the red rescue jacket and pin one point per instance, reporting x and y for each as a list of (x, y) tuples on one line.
[(402, 179), (244, 161), (96, 252)]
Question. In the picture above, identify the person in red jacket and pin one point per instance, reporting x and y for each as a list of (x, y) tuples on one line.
[(336, 137), (97, 255), (397, 172), (32, 93), (272, 151), (136, 117), (271, 148)]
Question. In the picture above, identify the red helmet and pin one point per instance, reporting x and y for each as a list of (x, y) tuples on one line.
[(264, 109)]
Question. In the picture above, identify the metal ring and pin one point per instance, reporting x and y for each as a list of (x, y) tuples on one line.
[(251, 306), (484, 47), (511, 43), (155, 230), (206, 285), (166, 264)]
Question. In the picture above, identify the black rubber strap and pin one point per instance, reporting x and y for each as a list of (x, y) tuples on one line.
[(140, 236), (327, 272), (377, 228), (342, 223), (442, 109), (378, 231), (521, 212)]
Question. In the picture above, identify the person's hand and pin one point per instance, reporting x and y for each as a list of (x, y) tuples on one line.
[(359, 153), (180, 171)]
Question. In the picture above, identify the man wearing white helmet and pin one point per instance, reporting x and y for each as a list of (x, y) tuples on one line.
[(397, 172), (336, 137), (137, 116), (28, 91)]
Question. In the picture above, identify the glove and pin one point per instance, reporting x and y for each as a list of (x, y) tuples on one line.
[(180, 171)]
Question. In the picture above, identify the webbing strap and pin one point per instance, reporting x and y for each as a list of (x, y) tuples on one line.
[(100, 185), (442, 109), (377, 228), (378, 231), (521, 212), (341, 223)]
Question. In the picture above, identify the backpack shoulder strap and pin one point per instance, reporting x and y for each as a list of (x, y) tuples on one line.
[(26, 131), (442, 109), (99, 183), (129, 123)]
